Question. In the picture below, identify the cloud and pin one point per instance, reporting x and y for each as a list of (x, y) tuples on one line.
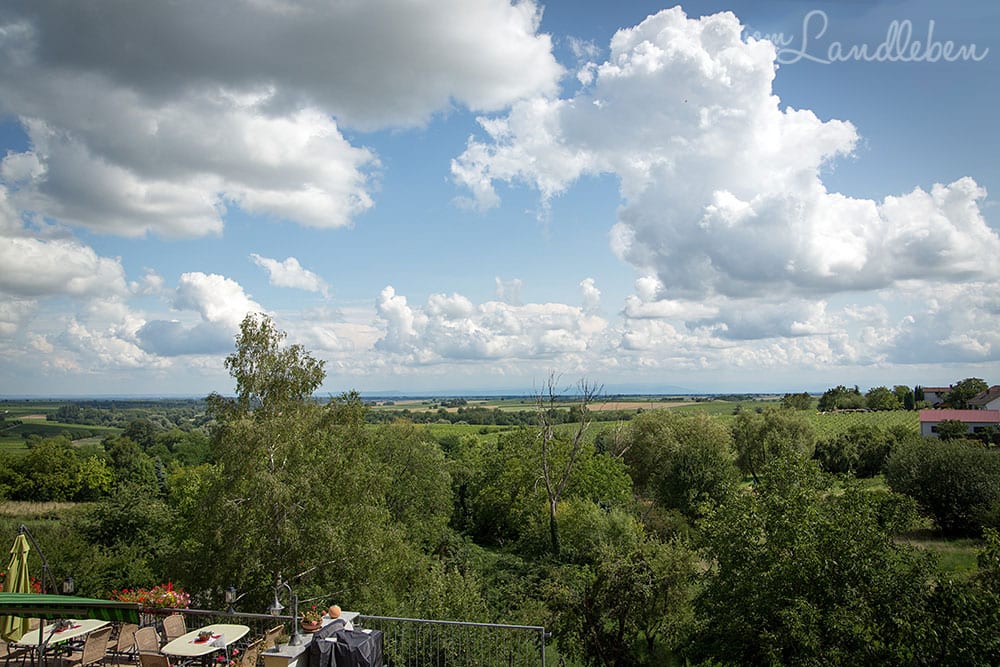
[(289, 273), (591, 295), (221, 304), (154, 118), (509, 291), (453, 329), (953, 324), (36, 267), (722, 186), (14, 313)]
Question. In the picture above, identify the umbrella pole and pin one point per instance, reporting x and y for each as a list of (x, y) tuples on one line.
[(46, 572)]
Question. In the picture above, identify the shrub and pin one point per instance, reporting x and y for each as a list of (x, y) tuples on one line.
[(957, 482)]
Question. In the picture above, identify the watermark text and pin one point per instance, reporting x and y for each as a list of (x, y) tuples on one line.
[(901, 45)]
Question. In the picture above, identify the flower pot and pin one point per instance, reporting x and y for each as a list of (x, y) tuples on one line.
[(311, 626)]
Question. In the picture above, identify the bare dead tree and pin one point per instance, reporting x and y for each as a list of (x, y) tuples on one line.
[(554, 475)]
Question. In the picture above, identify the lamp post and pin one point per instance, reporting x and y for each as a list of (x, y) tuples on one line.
[(276, 608), (68, 585), (230, 599)]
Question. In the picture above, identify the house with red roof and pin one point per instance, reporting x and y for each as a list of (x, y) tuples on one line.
[(975, 420), (986, 400)]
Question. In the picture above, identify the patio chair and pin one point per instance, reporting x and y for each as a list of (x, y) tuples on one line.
[(173, 627), (147, 640), (271, 637), (95, 649), (123, 646), (148, 659), (17, 654), (250, 656)]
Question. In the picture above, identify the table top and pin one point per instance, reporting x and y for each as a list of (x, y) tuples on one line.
[(185, 646), (76, 629)]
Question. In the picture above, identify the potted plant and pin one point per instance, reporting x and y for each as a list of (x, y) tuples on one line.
[(311, 620)]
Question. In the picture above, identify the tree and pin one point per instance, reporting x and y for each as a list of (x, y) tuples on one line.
[(905, 396), (268, 375), (556, 476), (632, 607), (880, 398), (964, 390), (952, 429), (957, 482), (682, 461), (841, 398), (800, 575), (800, 401), (772, 434), (286, 473)]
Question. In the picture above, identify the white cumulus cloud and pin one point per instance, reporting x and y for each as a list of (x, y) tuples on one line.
[(722, 185), (289, 273)]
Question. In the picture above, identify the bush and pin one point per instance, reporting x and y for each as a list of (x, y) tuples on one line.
[(957, 482), (861, 450)]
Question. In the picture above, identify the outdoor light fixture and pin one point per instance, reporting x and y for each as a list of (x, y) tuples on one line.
[(69, 586), (230, 599), (276, 608)]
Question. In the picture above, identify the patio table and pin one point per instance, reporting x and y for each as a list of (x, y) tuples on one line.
[(188, 646), (48, 634)]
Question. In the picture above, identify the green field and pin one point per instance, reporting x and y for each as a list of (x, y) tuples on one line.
[(12, 435)]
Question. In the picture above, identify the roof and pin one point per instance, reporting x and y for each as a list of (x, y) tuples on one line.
[(978, 416), (984, 397), (937, 390)]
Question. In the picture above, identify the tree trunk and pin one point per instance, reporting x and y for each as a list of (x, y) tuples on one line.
[(553, 527)]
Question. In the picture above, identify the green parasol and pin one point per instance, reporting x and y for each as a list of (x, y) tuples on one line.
[(46, 605), (17, 583)]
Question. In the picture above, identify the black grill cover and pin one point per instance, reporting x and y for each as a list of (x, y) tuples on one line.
[(358, 648), (321, 653)]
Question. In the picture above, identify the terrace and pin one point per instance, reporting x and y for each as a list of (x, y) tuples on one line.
[(406, 642)]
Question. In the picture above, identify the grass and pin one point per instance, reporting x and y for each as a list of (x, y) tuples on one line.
[(958, 556), (26, 509)]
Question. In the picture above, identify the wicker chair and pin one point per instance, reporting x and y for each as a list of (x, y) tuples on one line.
[(147, 640), (95, 649), (123, 646), (250, 656), (149, 659), (271, 637), (173, 627)]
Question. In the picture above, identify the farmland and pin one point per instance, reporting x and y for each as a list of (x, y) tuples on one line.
[(24, 419)]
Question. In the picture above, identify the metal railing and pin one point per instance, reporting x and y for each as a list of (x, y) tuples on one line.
[(258, 623), (413, 642)]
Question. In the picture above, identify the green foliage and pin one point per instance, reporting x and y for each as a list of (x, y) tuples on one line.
[(632, 606), (881, 398), (411, 467), (800, 401), (962, 391), (506, 503), (683, 461), (841, 398), (268, 375), (862, 450), (804, 576), (760, 438), (956, 481), (53, 470), (905, 396), (952, 429)]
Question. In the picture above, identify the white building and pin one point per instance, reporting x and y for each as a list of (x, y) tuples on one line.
[(974, 420)]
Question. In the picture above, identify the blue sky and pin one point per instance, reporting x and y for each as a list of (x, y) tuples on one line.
[(464, 195)]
